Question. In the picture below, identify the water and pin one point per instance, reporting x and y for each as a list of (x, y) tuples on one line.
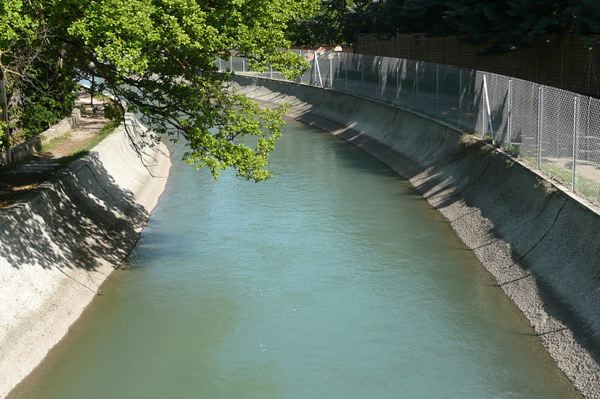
[(332, 280)]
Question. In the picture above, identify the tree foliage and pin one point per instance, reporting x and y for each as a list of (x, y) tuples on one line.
[(502, 24), (332, 23), (159, 57)]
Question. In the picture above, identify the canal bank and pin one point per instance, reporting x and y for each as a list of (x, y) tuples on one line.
[(537, 241), (61, 241), (334, 279)]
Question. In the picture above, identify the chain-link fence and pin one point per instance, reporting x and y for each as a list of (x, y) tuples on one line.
[(570, 64), (555, 131)]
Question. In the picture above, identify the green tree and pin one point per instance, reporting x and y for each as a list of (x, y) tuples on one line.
[(501, 25), (159, 57), (330, 24)]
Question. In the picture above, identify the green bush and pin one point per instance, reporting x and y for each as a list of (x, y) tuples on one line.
[(46, 101), (113, 111)]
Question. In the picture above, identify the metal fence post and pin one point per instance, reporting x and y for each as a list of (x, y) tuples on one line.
[(302, 74), (345, 65), (483, 121), (437, 88), (362, 70), (587, 130), (397, 82), (416, 83), (316, 71), (381, 79), (487, 109), (313, 71), (575, 125), (330, 71), (231, 63), (539, 126), (270, 71), (244, 65), (459, 96), (510, 90)]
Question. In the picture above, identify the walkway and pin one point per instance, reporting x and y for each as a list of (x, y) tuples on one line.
[(54, 155)]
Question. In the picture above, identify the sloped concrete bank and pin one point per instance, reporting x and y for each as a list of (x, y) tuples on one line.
[(538, 242), (62, 241)]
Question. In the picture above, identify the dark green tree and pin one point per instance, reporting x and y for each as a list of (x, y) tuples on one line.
[(500, 25), (330, 24)]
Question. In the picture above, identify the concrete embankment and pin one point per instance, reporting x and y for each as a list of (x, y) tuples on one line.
[(539, 242), (59, 243)]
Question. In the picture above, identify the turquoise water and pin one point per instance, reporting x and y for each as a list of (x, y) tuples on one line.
[(332, 280)]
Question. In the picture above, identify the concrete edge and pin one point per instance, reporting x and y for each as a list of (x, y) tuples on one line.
[(536, 240)]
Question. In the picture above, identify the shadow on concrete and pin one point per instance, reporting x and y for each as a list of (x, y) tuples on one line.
[(77, 219), (492, 201), (456, 99)]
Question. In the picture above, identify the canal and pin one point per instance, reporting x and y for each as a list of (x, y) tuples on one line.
[(332, 280)]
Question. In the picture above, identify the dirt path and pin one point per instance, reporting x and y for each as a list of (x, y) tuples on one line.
[(43, 165)]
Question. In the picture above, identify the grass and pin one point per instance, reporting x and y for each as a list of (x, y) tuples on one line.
[(87, 146), (73, 155), (513, 149), (52, 144), (102, 134), (587, 188), (27, 187), (19, 185)]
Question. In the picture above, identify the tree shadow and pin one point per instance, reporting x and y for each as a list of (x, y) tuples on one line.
[(445, 93), (78, 219), (508, 203)]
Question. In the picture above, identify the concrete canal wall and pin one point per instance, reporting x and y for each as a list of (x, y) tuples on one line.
[(62, 241), (537, 241)]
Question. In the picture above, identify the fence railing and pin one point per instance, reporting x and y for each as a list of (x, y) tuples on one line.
[(555, 131)]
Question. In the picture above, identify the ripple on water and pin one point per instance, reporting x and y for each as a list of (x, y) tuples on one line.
[(333, 280)]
